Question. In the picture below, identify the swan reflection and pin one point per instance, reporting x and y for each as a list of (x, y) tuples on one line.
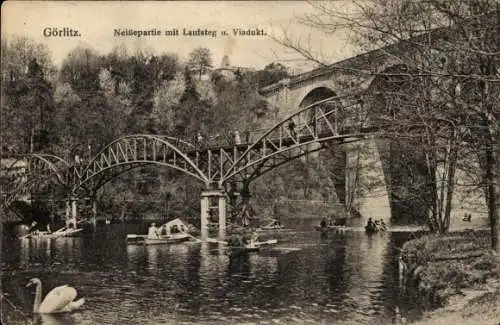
[(54, 319)]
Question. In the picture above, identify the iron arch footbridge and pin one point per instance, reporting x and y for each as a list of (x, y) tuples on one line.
[(334, 120), (214, 164)]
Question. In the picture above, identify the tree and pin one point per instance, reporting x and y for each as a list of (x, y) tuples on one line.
[(165, 99), (452, 48), (18, 52), (67, 120), (27, 105), (272, 73), (200, 61), (238, 105), (31, 95), (81, 70)]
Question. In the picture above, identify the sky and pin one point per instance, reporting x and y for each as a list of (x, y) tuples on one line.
[(96, 22)]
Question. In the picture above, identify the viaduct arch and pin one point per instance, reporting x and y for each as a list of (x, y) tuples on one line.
[(398, 166)]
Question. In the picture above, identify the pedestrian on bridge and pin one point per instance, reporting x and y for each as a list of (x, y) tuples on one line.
[(237, 138), (199, 139), (291, 127)]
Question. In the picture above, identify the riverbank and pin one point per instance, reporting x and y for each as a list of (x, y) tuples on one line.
[(458, 274)]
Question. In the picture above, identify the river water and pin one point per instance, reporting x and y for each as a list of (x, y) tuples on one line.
[(348, 278)]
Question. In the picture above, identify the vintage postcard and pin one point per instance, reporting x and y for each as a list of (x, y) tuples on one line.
[(249, 162)]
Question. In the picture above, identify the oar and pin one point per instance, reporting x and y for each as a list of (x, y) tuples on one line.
[(210, 240), (133, 236), (215, 240), (60, 230), (193, 237), (268, 242)]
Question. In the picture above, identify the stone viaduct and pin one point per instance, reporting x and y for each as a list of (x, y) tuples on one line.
[(386, 175)]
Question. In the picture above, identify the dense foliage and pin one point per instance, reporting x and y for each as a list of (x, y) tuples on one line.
[(95, 98)]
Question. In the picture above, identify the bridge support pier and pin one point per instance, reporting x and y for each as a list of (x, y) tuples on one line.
[(71, 211), (222, 217), (68, 209), (213, 202), (245, 204), (94, 212), (366, 191)]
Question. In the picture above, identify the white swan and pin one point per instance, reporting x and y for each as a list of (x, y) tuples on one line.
[(59, 300)]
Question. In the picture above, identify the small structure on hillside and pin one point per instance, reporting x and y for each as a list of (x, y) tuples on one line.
[(228, 71)]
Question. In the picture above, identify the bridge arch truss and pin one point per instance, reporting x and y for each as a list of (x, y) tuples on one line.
[(33, 170), (143, 149), (306, 131)]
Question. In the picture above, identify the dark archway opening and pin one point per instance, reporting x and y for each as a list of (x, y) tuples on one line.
[(334, 158), (316, 95)]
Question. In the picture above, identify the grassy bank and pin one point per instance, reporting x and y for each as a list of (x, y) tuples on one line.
[(460, 274)]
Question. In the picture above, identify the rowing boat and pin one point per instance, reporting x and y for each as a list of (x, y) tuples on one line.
[(175, 231), (273, 229), (273, 226), (170, 239), (164, 239), (250, 247), (56, 234), (332, 227)]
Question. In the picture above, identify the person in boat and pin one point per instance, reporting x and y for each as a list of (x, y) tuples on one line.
[(236, 240), (32, 226), (383, 226), (254, 237), (232, 240), (48, 228), (323, 223), (153, 231), (163, 230), (70, 224), (32, 229), (248, 237), (370, 226), (277, 223)]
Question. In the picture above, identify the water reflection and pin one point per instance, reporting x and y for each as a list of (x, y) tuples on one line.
[(213, 263), (263, 264), (365, 259), (25, 252), (48, 251), (54, 319), (305, 278), (134, 254)]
